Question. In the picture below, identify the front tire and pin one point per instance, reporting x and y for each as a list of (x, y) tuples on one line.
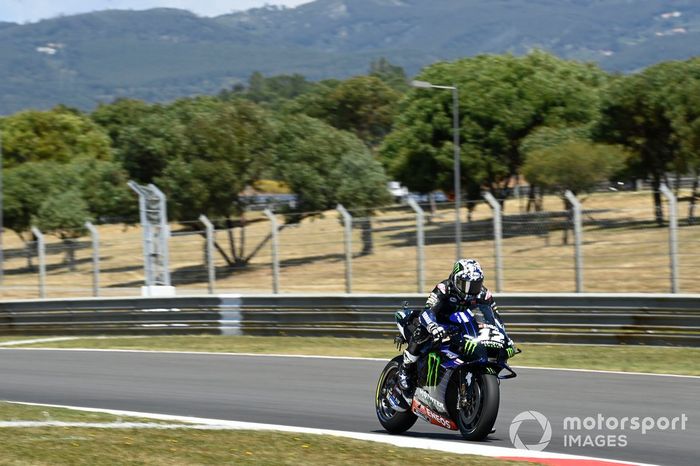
[(479, 407), (393, 421)]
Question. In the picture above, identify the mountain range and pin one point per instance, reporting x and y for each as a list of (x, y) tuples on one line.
[(162, 54)]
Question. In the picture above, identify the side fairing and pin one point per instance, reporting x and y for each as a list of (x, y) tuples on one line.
[(433, 379)]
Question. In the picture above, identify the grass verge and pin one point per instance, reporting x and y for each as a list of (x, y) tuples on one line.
[(665, 360), (89, 446), (21, 412)]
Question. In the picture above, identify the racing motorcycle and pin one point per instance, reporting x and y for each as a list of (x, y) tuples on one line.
[(457, 377)]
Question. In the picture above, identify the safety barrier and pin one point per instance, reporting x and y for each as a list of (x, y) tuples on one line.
[(653, 319)]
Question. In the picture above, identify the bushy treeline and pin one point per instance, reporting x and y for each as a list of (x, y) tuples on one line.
[(64, 167), (562, 124)]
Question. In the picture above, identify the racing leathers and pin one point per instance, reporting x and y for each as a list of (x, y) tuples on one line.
[(429, 324)]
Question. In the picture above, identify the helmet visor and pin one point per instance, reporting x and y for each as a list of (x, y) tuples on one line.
[(466, 287)]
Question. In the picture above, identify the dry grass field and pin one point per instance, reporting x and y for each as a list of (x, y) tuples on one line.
[(623, 252)]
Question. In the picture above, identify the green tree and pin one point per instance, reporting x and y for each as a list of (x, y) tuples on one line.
[(324, 167), (546, 138), (119, 114), (393, 75), (684, 114), (273, 89), (363, 105), (691, 147), (103, 186), (502, 99), (638, 112), (575, 165), (146, 146), (64, 214), (312, 102), (34, 191), (58, 135), (227, 148), (25, 188)]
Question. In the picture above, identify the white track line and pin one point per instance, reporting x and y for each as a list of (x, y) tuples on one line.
[(348, 358), (104, 425), (405, 442), (36, 340), (655, 374)]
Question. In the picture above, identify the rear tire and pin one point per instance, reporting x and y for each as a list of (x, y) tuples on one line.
[(393, 421), (476, 419)]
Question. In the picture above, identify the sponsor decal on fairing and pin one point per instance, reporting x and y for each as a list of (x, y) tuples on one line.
[(431, 416)]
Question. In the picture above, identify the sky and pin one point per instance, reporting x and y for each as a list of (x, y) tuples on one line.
[(20, 11)]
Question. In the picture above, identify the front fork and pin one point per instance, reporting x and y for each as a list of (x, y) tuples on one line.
[(465, 383), (466, 392)]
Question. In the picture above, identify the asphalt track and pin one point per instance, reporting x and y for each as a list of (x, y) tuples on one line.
[(338, 394)]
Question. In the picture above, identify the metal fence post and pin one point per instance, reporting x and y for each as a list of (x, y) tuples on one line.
[(347, 223), (578, 234), (420, 243), (156, 233), (95, 258), (211, 271), (672, 235), (147, 237), (275, 249), (163, 276), (41, 249), (497, 238)]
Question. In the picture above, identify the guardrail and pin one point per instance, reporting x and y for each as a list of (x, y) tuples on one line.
[(653, 319)]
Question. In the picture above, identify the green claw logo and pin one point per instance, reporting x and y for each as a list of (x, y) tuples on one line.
[(511, 352), (469, 346), (433, 364)]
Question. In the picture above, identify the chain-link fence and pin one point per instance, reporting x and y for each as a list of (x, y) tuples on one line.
[(623, 249)]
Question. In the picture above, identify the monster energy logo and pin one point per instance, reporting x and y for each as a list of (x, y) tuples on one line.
[(433, 364), (456, 268), (469, 346), (510, 351)]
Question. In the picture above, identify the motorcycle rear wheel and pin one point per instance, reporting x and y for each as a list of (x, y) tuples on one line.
[(393, 421)]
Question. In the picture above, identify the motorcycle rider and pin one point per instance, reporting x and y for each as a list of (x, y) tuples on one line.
[(462, 289)]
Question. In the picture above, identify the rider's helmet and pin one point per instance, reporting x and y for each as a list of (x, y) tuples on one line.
[(467, 277)]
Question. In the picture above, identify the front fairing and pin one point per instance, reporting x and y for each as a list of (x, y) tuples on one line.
[(468, 349)]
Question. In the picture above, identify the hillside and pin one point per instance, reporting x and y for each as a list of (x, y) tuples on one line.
[(162, 54)]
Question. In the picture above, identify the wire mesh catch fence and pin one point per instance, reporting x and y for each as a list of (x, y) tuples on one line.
[(624, 248)]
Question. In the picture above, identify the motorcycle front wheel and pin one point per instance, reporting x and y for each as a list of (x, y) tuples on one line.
[(393, 421), (477, 406)]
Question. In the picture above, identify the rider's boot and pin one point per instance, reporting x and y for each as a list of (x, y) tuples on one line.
[(407, 374), (402, 393)]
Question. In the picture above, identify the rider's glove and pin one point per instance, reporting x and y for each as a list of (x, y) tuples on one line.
[(437, 331)]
